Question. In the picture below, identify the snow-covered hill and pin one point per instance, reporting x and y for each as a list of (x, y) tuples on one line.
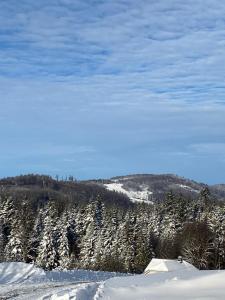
[(149, 188), (137, 187)]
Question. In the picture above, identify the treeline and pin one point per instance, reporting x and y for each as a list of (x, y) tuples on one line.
[(86, 226)]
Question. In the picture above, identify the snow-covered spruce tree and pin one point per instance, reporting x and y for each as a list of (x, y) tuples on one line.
[(167, 227), (99, 212), (89, 238), (35, 238), (108, 246), (143, 237), (2, 241), (101, 228), (216, 222), (138, 251), (75, 231), (48, 257), (100, 234), (128, 241), (7, 216), (201, 205), (109, 256), (15, 250), (6, 207), (63, 244), (169, 218)]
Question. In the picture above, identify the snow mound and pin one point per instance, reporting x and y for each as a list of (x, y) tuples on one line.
[(17, 272), (168, 265), (207, 285)]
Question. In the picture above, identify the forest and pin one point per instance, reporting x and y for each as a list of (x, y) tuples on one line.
[(67, 224)]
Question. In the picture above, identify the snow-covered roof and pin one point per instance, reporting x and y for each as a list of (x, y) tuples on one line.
[(167, 265)]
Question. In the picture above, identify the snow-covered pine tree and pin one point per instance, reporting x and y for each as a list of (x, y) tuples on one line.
[(15, 250), (75, 230), (143, 236), (216, 222), (2, 240), (16, 223), (7, 215), (128, 240), (89, 237), (35, 238), (47, 251), (63, 245)]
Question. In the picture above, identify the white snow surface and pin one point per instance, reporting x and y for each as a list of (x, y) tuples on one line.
[(25, 281), (174, 285), (18, 272), (186, 187), (135, 196), (22, 281)]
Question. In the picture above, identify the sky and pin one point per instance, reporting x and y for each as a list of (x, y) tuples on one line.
[(95, 88)]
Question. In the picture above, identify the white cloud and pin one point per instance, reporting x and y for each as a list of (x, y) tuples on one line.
[(118, 75)]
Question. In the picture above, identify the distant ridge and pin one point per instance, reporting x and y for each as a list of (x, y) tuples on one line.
[(136, 187)]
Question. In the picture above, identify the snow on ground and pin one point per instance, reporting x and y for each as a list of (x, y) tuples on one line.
[(21, 281), (135, 196), (194, 285), (188, 188), (25, 281), (18, 272)]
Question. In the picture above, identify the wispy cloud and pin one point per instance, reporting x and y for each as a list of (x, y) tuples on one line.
[(210, 149), (140, 76)]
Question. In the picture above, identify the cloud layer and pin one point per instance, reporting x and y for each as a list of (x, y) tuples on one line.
[(100, 88)]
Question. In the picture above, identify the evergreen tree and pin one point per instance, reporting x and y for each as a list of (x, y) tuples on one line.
[(63, 249), (2, 240), (47, 251)]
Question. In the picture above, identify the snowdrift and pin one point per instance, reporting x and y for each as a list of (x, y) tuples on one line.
[(17, 272), (174, 285)]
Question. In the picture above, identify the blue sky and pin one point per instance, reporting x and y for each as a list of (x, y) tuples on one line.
[(102, 88)]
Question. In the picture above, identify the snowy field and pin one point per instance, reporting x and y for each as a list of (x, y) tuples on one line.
[(23, 281), (135, 196)]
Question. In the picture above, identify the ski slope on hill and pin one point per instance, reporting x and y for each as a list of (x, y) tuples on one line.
[(134, 196)]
